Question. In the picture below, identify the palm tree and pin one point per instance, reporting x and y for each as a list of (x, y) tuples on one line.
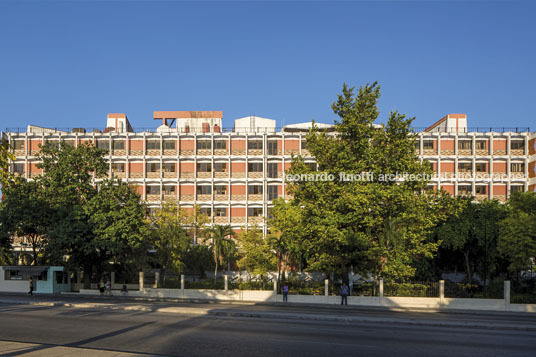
[(221, 244)]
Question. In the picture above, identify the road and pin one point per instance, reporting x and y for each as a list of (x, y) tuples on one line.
[(186, 329)]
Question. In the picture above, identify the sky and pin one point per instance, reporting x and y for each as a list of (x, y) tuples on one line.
[(69, 63)]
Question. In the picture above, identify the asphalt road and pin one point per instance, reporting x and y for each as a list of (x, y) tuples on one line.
[(283, 330)]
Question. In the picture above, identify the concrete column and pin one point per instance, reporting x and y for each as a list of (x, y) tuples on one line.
[(156, 279), (226, 280), (507, 295), (441, 290), (275, 286), (182, 282), (141, 281), (326, 287), (381, 288), (112, 278)]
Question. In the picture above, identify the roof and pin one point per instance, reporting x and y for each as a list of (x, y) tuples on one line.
[(187, 114)]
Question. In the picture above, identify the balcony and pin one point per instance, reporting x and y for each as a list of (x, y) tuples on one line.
[(170, 197), (154, 198), (169, 174), (186, 175), (223, 197), (238, 219), (221, 220), (238, 197), (238, 174), (170, 152), (187, 198), (204, 198), (222, 174), (221, 152), (187, 152), (153, 174), (201, 174), (255, 174), (238, 152), (204, 152), (255, 197)]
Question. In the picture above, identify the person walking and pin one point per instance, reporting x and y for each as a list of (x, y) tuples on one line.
[(344, 294), (31, 283), (285, 293), (101, 287), (108, 287)]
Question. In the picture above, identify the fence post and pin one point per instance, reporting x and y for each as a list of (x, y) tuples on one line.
[(441, 292), (112, 278), (182, 283), (326, 287), (226, 280), (141, 281), (381, 291), (156, 279), (507, 295), (275, 288)]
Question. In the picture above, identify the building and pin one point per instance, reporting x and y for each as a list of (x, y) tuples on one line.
[(234, 174)]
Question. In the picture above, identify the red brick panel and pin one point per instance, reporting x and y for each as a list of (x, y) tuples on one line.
[(447, 144), (34, 145), (448, 188), (238, 144), (187, 189), (532, 166), (292, 144), (238, 211), (532, 148), (499, 190), (136, 144), (238, 189), (238, 167), (136, 167), (447, 167), (187, 167), (499, 166), (187, 144), (499, 144)]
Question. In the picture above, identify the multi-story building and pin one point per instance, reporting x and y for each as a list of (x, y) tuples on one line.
[(235, 174)]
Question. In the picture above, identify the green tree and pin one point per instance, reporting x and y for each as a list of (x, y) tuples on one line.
[(170, 237), (343, 219), (6, 158), (26, 214), (517, 237), (221, 243), (473, 232), (257, 257)]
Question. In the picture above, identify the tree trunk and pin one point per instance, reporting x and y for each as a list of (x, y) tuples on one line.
[(468, 267), (87, 276)]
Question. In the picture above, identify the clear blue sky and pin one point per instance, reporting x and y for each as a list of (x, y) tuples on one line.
[(69, 63)]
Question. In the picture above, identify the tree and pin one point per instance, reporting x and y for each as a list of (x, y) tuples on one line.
[(257, 256), (473, 232), (517, 233), (221, 244), (27, 215), (6, 157), (343, 218), (170, 237)]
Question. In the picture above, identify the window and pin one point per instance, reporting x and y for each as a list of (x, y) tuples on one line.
[(428, 145), (255, 189), (272, 192), (255, 167), (517, 167), (272, 170), (119, 145), (464, 190), (103, 144), (118, 167), (153, 145), (204, 190), (204, 167), (152, 190), (169, 167), (69, 143), (204, 145), (303, 144), (169, 190), (153, 167), (417, 144), (517, 145), (19, 168), (220, 212), (465, 145), (220, 189), (169, 144), (272, 147), (255, 145), (207, 211), (220, 145), (311, 166), (481, 190), (18, 144), (480, 167), (481, 144), (464, 167), (514, 189), (220, 167), (255, 212)]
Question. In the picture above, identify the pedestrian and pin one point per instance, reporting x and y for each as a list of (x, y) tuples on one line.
[(124, 290), (285, 293), (101, 287), (108, 288), (31, 283), (344, 294)]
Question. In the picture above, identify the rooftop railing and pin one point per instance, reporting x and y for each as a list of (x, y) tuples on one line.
[(476, 130)]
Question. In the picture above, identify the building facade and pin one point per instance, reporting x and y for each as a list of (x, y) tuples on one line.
[(234, 175)]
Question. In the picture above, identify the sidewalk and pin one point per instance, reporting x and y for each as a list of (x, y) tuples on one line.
[(347, 314)]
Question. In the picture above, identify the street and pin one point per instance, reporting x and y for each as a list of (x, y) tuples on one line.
[(283, 330)]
